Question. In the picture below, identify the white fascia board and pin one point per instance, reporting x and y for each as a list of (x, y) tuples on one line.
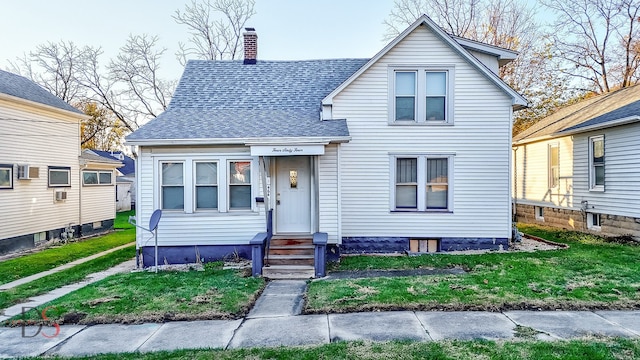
[(41, 106), (239, 141), (499, 52), (518, 100)]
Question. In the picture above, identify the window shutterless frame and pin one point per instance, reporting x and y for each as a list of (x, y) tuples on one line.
[(432, 179), (96, 177), (239, 189), (553, 161), (596, 163), (6, 176), (172, 185), (59, 176), (206, 185)]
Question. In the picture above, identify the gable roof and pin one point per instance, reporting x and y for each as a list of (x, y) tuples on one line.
[(21, 87), (610, 109), (129, 166), (518, 100), (235, 103), (88, 156)]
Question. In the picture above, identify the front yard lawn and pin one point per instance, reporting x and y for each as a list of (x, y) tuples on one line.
[(168, 295), (591, 274), (593, 349)]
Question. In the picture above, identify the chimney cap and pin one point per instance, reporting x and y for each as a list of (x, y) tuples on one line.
[(250, 29)]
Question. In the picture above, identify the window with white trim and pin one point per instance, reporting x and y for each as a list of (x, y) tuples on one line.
[(593, 221), (554, 165), (172, 184), (596, 163), (6, 176), (94, 177), (206, 185), (422, 182), (239, 185), (421, 95), (59, 176)]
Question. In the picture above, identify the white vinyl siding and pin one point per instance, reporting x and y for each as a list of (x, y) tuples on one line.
[(480, 141), (39, 138), (328, 216), (190, 226), (622, 156)]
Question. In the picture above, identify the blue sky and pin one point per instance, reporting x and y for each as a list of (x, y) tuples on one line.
[(287, 29)]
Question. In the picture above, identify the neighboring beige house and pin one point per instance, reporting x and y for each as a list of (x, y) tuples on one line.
[(579, 168), (40, 168)]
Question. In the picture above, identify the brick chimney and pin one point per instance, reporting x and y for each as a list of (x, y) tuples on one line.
[(250, 46)]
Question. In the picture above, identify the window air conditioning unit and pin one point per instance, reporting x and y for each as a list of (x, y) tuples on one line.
[(61, 195), (26, 172)]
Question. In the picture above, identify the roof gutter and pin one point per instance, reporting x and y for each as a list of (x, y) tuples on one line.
[(239, 141)]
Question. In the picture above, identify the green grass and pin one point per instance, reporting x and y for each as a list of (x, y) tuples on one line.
[(596, 349), (591, 274), (171, 295), (65, 277), (50, 258), (122, 220)]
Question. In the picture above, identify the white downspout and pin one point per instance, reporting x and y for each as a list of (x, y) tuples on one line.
[(339, 195)]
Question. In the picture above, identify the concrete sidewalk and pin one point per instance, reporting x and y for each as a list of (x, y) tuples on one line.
[(273, 322)]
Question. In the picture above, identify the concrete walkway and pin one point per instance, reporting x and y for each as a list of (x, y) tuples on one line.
[(274, 321), (66, 266)]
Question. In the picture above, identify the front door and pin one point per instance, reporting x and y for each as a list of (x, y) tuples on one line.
[(293, 194)]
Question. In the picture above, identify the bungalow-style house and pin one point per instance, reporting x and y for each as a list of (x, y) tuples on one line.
[(125, 179), (406, 151), (579, 168), (46, 186)]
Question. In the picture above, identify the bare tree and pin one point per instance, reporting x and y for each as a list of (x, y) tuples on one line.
[(215, 27), (597, 41)]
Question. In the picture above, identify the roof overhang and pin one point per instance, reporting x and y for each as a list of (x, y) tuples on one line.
[(18, 100), (504, 56), (281, 141), (518, 100)]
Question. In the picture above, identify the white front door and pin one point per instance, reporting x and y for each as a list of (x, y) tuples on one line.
[(293, 194)]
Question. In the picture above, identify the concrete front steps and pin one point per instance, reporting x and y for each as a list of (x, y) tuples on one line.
[(290, 257)]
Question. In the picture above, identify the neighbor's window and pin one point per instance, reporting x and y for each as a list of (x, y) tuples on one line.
[(422, 183), (206, 185), (172, 185), (436, 101), (554, 166), (239, 185), (405, 95), (6, 176), (59, 176), (91, 177), (596, 163), (406, 183)]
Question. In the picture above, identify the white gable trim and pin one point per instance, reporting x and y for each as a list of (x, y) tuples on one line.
[(518, 100)]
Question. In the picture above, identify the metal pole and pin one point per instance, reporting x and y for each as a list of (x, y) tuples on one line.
[(155, 235)]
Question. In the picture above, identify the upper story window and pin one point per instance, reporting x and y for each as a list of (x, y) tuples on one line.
[(596, 163), (59, 176), (172, 183), (422, 182), (554, 166), (6, 176), (421, 96)]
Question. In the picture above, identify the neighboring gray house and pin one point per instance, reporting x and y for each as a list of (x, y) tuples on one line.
[(579, 168), (400, 152)]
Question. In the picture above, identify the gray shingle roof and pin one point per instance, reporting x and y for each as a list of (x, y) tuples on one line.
[(19, 86), (596, 110), (228, 99)]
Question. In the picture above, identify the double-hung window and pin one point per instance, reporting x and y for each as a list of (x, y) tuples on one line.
[(554, 165), (239, 185), (6, 176), (172, 183), (422, 183), (421, 96), (596, 163), (206, 185), (93, 177), (59, 176)]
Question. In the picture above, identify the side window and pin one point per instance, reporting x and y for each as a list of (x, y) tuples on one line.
[(90, 177), (437, 183), (172, 182), (59, 176), (6, 176), (596, 163), (422, 183), (406, 183), (554, 166)]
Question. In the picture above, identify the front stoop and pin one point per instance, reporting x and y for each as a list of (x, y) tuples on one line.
[(290, 257)]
